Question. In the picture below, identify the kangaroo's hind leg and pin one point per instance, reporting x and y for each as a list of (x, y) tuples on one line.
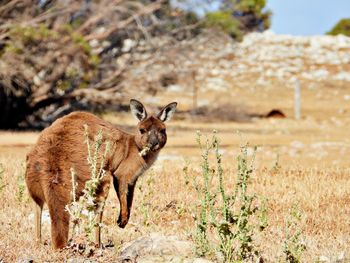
[(36, 193), (57, 197), (102, 194), (98, 229), (59, 225), (38, 213)]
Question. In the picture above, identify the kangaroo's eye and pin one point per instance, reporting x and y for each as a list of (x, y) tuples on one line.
[(142, 131), (162, 131)]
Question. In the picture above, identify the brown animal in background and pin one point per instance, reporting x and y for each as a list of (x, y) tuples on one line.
[(61, 147)]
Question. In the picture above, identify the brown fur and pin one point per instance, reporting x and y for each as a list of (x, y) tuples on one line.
[(61, 147)]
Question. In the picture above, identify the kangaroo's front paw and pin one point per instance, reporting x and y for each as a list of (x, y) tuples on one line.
[(122, 222)]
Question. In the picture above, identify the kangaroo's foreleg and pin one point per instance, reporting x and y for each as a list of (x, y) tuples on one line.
[(122, 189), (130, 197)]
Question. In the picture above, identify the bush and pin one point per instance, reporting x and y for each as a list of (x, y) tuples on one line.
[(86, 209), (341, 28), (226, 220), (238, 17), (223, 21), (293, 246), (252, 14)]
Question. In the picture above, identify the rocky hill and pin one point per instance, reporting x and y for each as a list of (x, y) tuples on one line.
[(216, 62)]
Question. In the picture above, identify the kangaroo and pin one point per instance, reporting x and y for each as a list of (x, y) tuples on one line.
[(61, 147)]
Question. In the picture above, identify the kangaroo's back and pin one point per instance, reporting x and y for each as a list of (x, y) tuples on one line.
[(62, 146)]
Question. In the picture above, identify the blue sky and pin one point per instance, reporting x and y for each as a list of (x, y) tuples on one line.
[(295, 17), (307, 17)]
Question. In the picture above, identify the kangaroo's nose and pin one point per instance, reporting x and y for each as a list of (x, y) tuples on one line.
[(153, 141)]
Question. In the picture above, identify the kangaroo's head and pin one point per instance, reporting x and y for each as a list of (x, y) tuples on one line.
[(151, 132)]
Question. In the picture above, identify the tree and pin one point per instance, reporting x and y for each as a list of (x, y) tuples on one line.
[(342, 27), (238, 17), (58, 56)]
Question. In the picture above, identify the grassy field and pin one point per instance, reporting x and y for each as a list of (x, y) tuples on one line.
[(304, 162)]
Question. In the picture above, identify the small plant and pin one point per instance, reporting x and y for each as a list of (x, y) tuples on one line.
[(30, 35), (225, 220), (263, 217), (276, 166), (145, 213), (147, 191), (20, 187), (85, 210), (293, 245)]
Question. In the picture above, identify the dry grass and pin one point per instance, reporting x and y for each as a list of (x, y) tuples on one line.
[(313, 155), (323, 194)]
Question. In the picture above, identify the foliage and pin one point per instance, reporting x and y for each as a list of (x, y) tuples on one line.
[(237, 17), (85, 210), (61, 56), (30, 34), (147, 191), (293, 245), (24, 39), (252, 14), (20, 187), (224, 21), (342, 27), (227, 217)]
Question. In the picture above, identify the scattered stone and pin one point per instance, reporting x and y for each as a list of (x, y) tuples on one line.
[(201, 260), (157, 248), (25, 260), (80, 260)]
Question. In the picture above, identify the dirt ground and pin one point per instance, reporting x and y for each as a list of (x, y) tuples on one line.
[(312, 153)]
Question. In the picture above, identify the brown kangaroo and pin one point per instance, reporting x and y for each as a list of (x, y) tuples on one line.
[(61, 147)]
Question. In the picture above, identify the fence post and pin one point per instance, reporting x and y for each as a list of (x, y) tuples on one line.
[(195, 90), (297, 100)]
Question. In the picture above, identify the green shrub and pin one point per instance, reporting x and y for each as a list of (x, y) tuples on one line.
[(225, 219), (146, 188), (238, 17), (21, 187), (223, 21), (342, 27), (30, 35), (293, 245), (252, 15)]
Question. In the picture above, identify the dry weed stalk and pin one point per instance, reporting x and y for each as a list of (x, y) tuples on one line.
[(85, 210)]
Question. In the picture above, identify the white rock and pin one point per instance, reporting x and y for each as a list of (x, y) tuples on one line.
[(94, 43), (156, 247)]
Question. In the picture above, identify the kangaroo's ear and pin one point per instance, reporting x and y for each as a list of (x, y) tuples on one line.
[(167, 112), (138, 110)]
